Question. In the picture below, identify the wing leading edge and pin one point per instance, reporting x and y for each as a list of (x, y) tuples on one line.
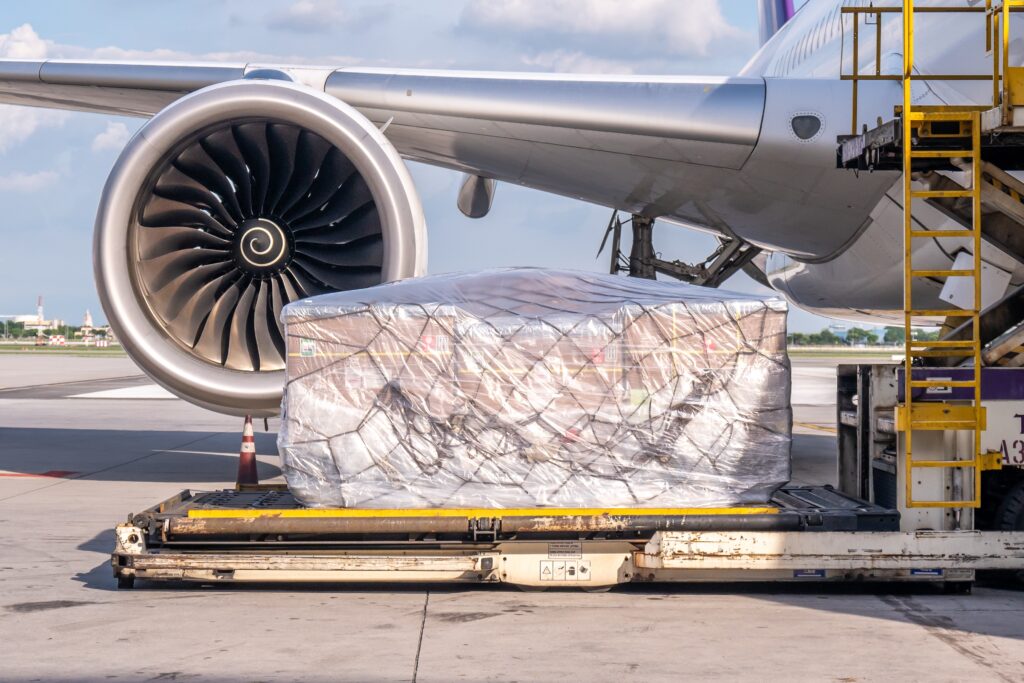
[(628, 142)]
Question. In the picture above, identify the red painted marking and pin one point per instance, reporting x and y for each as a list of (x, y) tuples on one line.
[(53, 474)]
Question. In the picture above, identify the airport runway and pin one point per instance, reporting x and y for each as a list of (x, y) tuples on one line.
[(84, 441)]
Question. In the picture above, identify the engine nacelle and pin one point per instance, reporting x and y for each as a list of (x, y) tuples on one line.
[(230, 203)]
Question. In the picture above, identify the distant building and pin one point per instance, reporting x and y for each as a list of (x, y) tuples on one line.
[(38, 321), (839, 330)]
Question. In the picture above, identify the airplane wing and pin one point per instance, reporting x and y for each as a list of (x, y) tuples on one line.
[(624, 142)]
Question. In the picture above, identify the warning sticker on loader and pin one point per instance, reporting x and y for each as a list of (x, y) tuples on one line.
[(564, 571), (567, 549)]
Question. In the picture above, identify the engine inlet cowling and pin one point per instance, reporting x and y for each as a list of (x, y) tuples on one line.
[(227, 205)]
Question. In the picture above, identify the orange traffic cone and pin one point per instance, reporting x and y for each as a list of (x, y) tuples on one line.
[(247, 475)]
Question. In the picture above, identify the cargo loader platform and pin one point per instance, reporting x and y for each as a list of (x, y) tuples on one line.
[(260, 534)]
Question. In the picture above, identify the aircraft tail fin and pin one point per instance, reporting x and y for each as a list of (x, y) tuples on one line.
[(772, 14)]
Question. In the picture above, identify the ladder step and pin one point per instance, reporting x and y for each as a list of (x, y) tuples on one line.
[(938, 353), (941, 273), (929, 415), (943, 463), (945, 343), (944, 503), (952, 383), (940, 153), (942, 426), (918, 115), (942, 233), (938, 194), (946, 312)]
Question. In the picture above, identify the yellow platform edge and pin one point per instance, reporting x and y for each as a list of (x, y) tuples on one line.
[(474, 513)]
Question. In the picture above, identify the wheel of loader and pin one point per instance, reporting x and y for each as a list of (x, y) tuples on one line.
[(958, 587), (1010, 515), (126, 581)]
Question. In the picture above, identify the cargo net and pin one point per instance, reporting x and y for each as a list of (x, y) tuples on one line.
[(528, 388)]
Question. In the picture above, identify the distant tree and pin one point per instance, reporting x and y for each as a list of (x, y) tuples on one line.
[(925, 335), (824, 338), (857, 335), (797, 339), (894, 335)]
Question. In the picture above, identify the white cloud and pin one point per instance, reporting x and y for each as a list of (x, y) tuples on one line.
[(606, 28), (307, 16), (27, 182), (22, 43), (114, 137), (565, 61), (17, 124), (322, 16)]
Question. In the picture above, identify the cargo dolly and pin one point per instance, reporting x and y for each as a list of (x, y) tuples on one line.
[(260, 534)]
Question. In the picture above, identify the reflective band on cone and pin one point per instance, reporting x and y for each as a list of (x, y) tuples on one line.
[(247, 475)]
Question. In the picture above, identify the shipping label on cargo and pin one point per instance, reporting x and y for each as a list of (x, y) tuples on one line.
[(565, 549), (1005, 431), (434, 343), (307, 348)]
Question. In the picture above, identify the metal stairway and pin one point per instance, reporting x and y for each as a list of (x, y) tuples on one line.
[(921, 141)]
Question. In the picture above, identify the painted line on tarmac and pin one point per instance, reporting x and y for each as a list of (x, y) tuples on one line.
[(144, 392), (820, 428), (51, 474), (5, 390)]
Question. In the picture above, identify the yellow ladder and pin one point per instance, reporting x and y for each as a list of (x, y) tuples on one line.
[(960, 122)]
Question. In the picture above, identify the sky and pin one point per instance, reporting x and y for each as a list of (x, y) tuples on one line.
[(53, 164)]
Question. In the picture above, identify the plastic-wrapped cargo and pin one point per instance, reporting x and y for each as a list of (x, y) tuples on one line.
[(535, 388)]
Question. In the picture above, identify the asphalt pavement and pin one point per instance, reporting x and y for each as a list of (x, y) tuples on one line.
[(85, 441)]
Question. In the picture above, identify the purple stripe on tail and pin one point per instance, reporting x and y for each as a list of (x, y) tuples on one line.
[(772, 15)]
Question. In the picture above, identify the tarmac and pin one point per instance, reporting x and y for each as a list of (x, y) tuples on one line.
[(85, 441)]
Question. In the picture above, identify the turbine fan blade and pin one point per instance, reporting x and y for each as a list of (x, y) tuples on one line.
[(177, 186), (366, 252), (352, 195), (304, 282), (337, 278), (161, 212), (163, 270), (156, 242), (192, 307), (252, 140), (309, 161), (362, 223), (333, 173), (268, 354), (213, 337), (223, 149), (329, 198), (197, 165), (278, 298), (290, 289), (241, 352), (283, 142)]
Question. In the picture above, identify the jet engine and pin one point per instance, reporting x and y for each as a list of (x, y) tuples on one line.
[(230, 203)]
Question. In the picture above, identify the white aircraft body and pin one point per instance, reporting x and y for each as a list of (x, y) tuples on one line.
[(256, 184)]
